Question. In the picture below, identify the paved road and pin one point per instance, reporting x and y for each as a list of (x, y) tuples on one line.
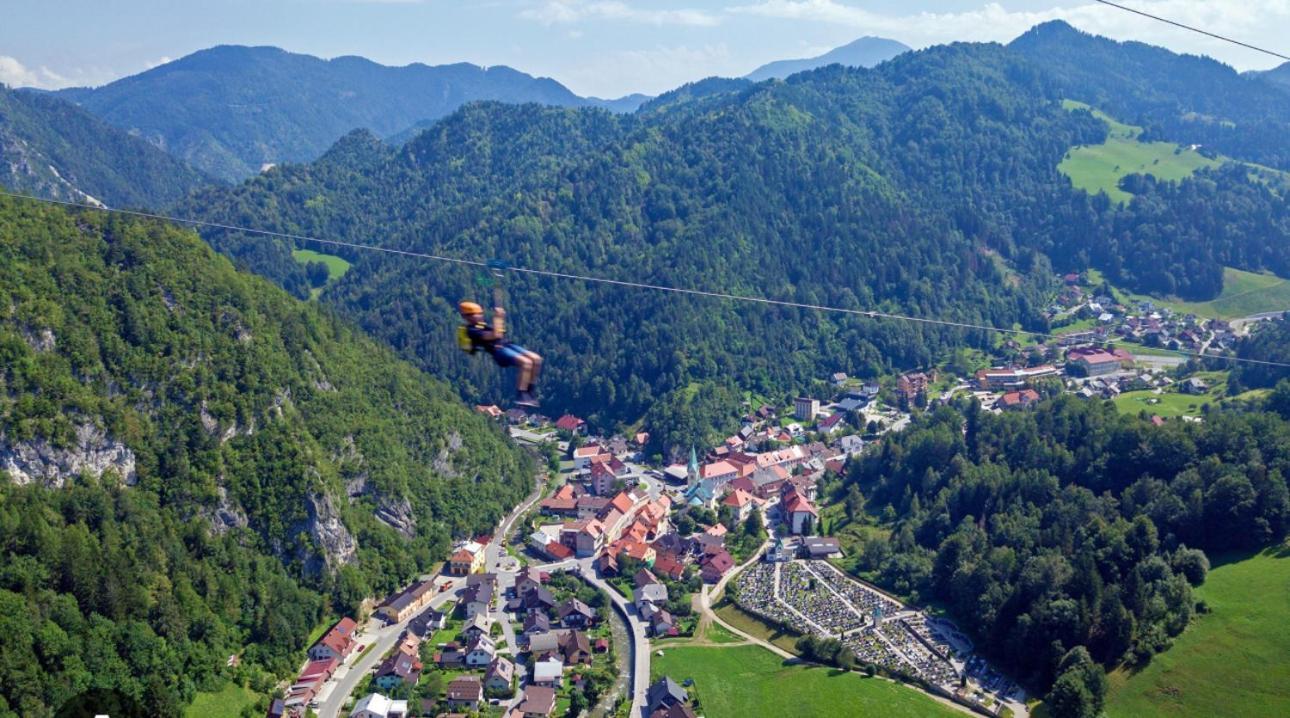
[(1241, 326), (385, 637)]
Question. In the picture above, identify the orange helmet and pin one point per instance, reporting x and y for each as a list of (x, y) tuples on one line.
[(468, 308)]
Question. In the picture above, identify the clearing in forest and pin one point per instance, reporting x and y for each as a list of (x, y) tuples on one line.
[(1099, 168)]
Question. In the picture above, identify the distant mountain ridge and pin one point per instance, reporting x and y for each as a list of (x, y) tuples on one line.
[(864, 52), (1185, 98), (50, 147), (230, 110), (1279, 75)]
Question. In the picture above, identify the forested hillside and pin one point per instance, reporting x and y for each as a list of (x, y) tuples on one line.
[(804, 190), (1071, 534), (195, 465), (228, 110), (52, 148), (900, 188), (1180, 98)]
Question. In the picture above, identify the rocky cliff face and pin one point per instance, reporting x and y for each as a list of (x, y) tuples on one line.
[(398, 515), (93, 453), (336, 543)]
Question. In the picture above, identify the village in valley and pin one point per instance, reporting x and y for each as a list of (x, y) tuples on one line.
[(617, 553)]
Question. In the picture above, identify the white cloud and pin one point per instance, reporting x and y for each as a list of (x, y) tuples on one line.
[(15, 74), (1259, 22), (552, 12)]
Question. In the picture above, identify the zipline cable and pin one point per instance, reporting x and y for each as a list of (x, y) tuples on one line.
[(1194, 29), (872, 314)]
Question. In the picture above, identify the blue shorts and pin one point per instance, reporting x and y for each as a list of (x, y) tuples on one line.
[(508, 354)]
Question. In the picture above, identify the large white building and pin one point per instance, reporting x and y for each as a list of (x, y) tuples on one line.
[(375, 705), (805, 408)]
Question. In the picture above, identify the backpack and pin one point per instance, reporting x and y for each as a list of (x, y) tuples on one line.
[(463, 340)]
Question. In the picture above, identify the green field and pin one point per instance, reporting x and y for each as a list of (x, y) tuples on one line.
[(336, 266), (1168, 405), (227, 702), (755, 627), (716, 633), (1231, 662), (751, 682), (1172, 404), (1099, 168), (1244, 293)]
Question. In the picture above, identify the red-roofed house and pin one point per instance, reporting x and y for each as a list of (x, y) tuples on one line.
[(667, 564), (802, 516), (603, 479), (558, 551), (584, 455), (741, 501), (743, 483), (716, 565), (1015, 400), (571, 423), (832, 423), (586, 537), (719, 472), (564, 502), (463, 562), (336, 642), (492, 411), (1092, 361)]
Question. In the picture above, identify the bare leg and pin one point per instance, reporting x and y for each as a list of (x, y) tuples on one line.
[(537, 366), (524, 376)]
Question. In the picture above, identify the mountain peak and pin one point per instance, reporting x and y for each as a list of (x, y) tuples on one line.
[(231, 109), (862, 52)]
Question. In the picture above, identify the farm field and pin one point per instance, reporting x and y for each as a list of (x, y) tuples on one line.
[(1229, 662), (1099, 168), (1244, 293), (227, 702), (751, 682)]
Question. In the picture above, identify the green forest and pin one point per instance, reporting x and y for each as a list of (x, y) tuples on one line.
[(52, 148), (1069, 538), (807, 190), (266, 435)]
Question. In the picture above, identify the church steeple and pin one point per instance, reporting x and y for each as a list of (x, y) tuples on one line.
[(692, 469)]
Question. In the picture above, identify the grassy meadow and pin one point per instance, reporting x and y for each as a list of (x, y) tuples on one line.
[(1230, 662), (751, 682), (1099, 168), (228, 702)]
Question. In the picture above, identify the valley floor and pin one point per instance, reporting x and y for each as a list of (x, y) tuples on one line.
[(1229, 662), (746, 681)]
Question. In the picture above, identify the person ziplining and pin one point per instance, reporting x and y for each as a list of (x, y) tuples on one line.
[(476, 334)]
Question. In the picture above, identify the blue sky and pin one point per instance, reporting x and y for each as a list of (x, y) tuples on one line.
[(596, 47)]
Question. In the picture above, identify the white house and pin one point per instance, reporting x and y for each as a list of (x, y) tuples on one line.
[(802, 516), (375, 705), (480, 651), (548, 673)]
